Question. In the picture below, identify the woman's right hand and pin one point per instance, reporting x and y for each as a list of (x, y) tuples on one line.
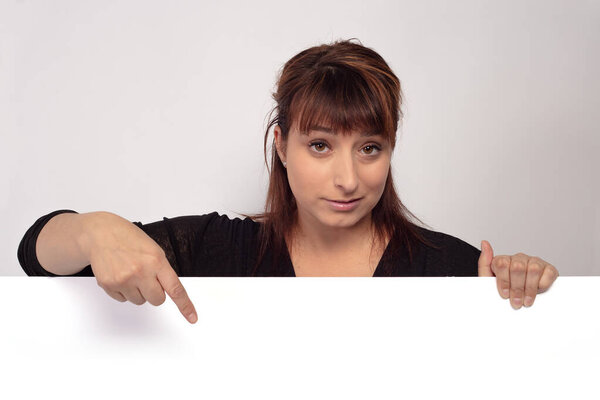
[(130, 265)]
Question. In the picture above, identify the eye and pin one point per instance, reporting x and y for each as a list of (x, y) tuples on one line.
[(321, 147), (318, 146), (371, 149)]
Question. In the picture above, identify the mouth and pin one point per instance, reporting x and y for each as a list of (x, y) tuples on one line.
[(344, 205), (345, 201)]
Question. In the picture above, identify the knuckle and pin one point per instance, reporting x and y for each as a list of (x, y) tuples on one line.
[(535, 268), (518, 266), (536, 260), (107, 284), (502, 263), (127, 275), (157, 256), (177, 291), (122, 279), (156, 260), (135, 269)]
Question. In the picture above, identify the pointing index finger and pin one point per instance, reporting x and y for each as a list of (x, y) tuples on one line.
[(172, 285)]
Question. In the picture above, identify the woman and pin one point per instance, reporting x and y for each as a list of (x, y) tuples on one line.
[(331, 207)]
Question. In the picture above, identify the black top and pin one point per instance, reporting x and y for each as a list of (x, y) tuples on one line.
[(215, 245)]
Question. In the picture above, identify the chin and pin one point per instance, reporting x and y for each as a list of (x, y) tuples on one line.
[(342, 220)]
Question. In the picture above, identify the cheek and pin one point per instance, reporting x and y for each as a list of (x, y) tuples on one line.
[(305, 176), (375, 177)]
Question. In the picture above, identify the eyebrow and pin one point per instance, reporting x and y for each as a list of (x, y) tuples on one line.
[(330, 131)]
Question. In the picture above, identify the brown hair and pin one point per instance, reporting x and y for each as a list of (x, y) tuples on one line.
[(345, 86)]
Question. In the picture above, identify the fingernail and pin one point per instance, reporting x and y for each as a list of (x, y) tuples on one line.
[(517, 302), (528, 301), (505, 293), (193, 318)]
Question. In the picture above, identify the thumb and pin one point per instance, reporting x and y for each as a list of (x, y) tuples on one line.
[(485, 259)]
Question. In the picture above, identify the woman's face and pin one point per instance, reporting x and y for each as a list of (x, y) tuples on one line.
[(336, 179)]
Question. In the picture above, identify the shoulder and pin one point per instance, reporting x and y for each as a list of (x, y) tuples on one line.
[(453, 256), (446, 240), (216, 224), (205, 228), (210, 244)]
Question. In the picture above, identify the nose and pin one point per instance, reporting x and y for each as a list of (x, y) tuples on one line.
[(345, 174)]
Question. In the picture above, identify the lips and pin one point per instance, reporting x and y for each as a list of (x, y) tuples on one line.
[(344, 205), (345, 201)]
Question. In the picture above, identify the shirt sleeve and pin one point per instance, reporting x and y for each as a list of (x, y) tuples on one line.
[(194, 245), (26, 253)]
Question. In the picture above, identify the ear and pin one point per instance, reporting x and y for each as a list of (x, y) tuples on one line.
[(279, 143)]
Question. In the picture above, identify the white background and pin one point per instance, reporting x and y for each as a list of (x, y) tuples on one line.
[(150, 109), (323, 338)]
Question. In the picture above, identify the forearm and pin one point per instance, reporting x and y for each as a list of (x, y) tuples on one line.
[(62, 246)]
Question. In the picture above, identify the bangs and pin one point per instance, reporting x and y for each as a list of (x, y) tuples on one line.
[(341, 100)]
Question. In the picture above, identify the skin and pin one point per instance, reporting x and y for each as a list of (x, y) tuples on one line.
[(325, 166), (519, 275)]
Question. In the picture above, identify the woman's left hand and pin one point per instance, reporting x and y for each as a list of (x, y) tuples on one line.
[(519, 275)]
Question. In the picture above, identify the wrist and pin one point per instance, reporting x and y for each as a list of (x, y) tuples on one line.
[(88, 227)]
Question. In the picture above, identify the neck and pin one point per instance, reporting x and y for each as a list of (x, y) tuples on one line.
[(311, 235)]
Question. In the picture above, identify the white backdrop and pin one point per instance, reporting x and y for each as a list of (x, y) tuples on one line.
[(323, 338), (150, 109)]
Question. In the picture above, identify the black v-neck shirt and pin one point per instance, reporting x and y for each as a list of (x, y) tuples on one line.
[(218, 246)]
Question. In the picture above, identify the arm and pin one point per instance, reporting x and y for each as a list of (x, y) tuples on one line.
[(127, 263), (62, 245)]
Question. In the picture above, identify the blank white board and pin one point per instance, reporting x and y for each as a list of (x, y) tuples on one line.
[(301, 338)]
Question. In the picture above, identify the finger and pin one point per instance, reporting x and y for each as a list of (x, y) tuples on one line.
[(518, 272), (548, 277), (172, 285), (485, 259), (115, 295), (501, 268), (534, 273), (133, 295), (153, 291)]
